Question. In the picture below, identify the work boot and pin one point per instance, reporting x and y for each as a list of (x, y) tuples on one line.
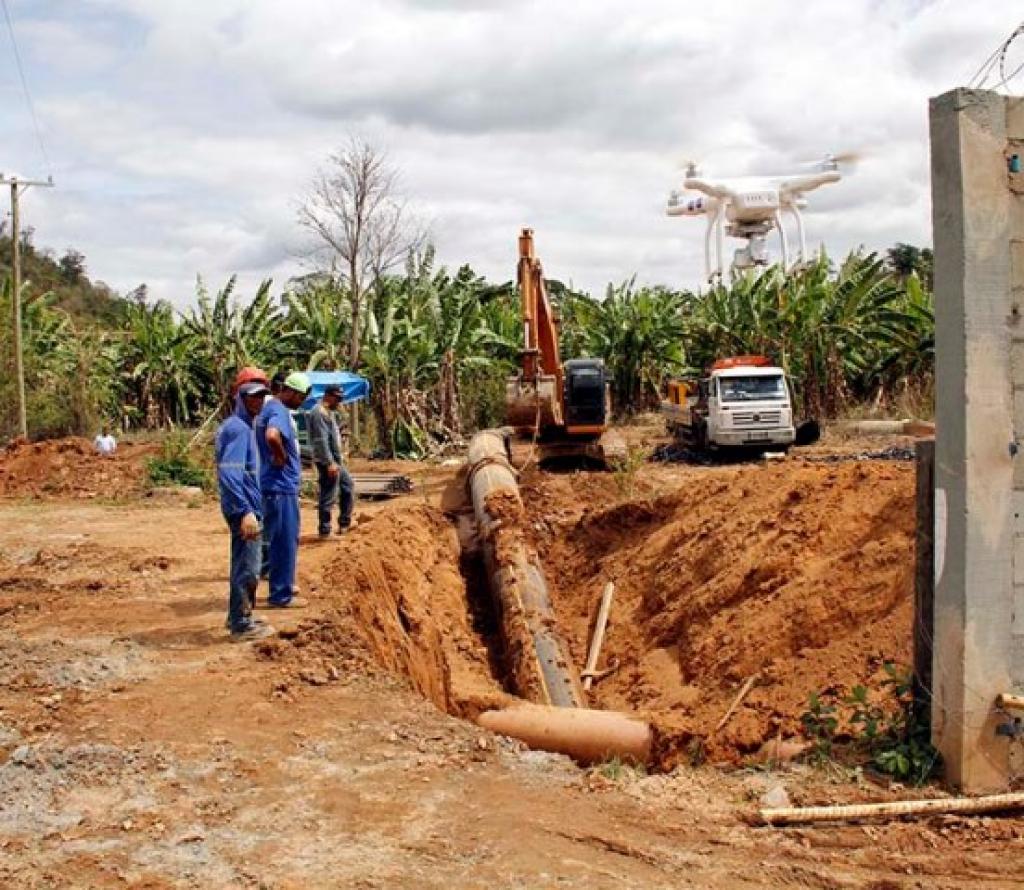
[(296, 602), (252, 632), (254, 619), (268, 603)]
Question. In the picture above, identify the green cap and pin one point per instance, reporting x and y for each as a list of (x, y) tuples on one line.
[(298, 381)]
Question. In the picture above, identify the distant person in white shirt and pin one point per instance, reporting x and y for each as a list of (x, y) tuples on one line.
[(105, 443)]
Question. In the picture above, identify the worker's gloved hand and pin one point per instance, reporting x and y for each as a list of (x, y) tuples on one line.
[(333, 470), (250, 527)]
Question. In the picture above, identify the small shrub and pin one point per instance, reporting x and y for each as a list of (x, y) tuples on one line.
[(894, 739), (820, 724), (899, 742), (176, 466), (625, 470), (615, 769), (696, 752)]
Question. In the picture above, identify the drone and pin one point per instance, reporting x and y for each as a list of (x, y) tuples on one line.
[(749, 207)]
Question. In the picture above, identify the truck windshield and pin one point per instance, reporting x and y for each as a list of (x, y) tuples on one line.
[(750, 389)]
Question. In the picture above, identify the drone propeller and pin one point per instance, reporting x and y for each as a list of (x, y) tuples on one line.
[(831, 161), (691, 166), (847, 157)]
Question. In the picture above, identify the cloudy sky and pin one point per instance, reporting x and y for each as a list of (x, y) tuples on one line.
[(182, 135)]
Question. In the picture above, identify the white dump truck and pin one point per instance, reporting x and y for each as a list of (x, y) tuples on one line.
[(743, 402)]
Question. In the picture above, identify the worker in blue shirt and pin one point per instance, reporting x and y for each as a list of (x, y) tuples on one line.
[(280, 477), (241, 503)]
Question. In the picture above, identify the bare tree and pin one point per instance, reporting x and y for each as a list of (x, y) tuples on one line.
[(360, 224)]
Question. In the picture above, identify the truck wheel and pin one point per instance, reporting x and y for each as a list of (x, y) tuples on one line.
[(700, 438)]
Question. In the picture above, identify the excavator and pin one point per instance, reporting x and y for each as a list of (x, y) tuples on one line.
[(562, 408)]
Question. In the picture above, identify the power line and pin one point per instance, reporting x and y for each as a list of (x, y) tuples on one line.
[(24, 87)]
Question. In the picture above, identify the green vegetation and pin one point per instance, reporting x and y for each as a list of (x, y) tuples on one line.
[(860, 333), (437, 345), (176, 465), (615, 769), (625, 469), (885, 729), (64, 277)]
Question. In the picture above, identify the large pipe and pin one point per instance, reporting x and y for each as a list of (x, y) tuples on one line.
[(537, 659), (885, 427), (586, 736)]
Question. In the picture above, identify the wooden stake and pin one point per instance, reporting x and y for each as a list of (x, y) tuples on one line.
[(742, 694), (598, 639), (968, 805)]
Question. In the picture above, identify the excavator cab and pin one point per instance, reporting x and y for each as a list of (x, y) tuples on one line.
[(585, 396)]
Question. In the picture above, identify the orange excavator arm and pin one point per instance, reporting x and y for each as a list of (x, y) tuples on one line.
[(540, 333)]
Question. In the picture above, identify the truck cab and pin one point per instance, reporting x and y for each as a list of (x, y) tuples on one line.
[(748, 405), (742, 402)]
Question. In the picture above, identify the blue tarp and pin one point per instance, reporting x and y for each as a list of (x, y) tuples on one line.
[(353, 387)]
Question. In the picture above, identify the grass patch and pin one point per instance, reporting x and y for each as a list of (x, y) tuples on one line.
[(177, 466)]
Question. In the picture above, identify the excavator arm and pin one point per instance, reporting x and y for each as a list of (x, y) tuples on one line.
[(540, 333)]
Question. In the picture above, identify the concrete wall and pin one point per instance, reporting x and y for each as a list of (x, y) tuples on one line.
[(978, 224)]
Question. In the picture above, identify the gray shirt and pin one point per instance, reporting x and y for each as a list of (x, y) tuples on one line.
[(324, 435)]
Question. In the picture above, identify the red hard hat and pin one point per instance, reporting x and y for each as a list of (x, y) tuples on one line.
[(250, 375)]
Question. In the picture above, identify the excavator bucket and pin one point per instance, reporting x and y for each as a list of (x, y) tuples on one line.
[(532, 405), (604, 451)]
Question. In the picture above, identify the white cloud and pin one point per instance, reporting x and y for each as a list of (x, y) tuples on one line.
[(184, 133)]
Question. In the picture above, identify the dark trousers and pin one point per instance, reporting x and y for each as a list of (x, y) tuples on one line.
[(245, 575), (281, 523), (327, 497)]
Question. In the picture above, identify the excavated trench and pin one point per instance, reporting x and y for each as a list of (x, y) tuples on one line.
[(799, 575)]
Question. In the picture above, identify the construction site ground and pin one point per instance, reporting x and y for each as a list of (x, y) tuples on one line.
[(140, 748)]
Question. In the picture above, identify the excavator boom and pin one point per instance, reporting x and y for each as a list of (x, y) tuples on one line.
[(534, 397), (540, 332)]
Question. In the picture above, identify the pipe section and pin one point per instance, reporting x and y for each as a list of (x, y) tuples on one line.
[(585, 735), (536, 657)]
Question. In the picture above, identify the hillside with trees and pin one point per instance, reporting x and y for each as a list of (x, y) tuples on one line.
[(65, 276)]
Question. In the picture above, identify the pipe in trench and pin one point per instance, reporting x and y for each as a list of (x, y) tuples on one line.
[(537, 657)]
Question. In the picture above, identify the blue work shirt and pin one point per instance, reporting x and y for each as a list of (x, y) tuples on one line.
[(238, 465), (274, 479)]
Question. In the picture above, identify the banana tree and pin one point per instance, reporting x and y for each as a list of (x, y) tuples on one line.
[(225, 335), (640, 333), (158, 361), (319, 322)]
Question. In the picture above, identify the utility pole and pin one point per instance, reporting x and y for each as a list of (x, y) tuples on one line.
[(17, 186)]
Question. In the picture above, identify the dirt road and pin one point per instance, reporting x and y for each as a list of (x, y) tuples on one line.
[(139, 748)]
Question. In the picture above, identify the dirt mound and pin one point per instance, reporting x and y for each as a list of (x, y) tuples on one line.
[(800, 573), (396, 596), (70, 467)]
